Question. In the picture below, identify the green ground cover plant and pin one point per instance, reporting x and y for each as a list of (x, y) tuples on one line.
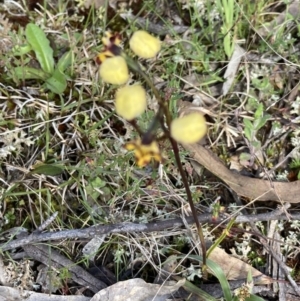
[(53, 75)]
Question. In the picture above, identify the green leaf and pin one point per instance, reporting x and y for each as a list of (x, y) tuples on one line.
[(256, 144), (249, 129), (228, 44), (48, 169), (218, 272), (248, 123), (202, 295), (94, 187), (98, 183), (254, 298), (260, 122), (41, 46), (248, 133), (21, 50), (57, 83), (259, 111), (65, 61), (245, 157), (30, 73), (249, 277)]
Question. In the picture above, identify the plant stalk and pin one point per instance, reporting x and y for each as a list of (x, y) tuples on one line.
[(164, 110), (192, 206)]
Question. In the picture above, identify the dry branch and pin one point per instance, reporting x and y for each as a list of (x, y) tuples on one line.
[(53, 258), (90, 232)]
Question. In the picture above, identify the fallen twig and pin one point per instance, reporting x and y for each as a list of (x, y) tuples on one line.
[(10, 293), (52, 258), (90, 232)]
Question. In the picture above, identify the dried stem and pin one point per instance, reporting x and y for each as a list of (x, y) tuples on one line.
[(190, 200)]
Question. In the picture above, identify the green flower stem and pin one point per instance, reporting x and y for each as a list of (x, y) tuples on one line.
[(164, 111), (221, 238)]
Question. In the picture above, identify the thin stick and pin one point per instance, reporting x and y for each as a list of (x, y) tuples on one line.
[(90, 232)]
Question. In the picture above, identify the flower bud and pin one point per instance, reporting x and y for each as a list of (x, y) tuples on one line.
[(130, 101), (114, 71), (144, 45), (188, 129)]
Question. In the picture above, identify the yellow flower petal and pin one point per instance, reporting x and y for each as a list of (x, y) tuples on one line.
[(102, 56), (130, 146), (144, 152), (110, 38), (114, 71), (189, 129), (130, 101), (144, 45), (143, 161)]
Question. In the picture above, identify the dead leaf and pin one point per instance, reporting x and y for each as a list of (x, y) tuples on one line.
[(90, 249), (275, 79), (138, 290), (232, 68), (235, 268), (252, 188)]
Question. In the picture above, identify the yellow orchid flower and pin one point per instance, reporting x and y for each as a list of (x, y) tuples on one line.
[(102, 56), (112, 47), (114, 71), (144, 152), (110, 39), (188, 129), (144, 45), (130, 101)]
